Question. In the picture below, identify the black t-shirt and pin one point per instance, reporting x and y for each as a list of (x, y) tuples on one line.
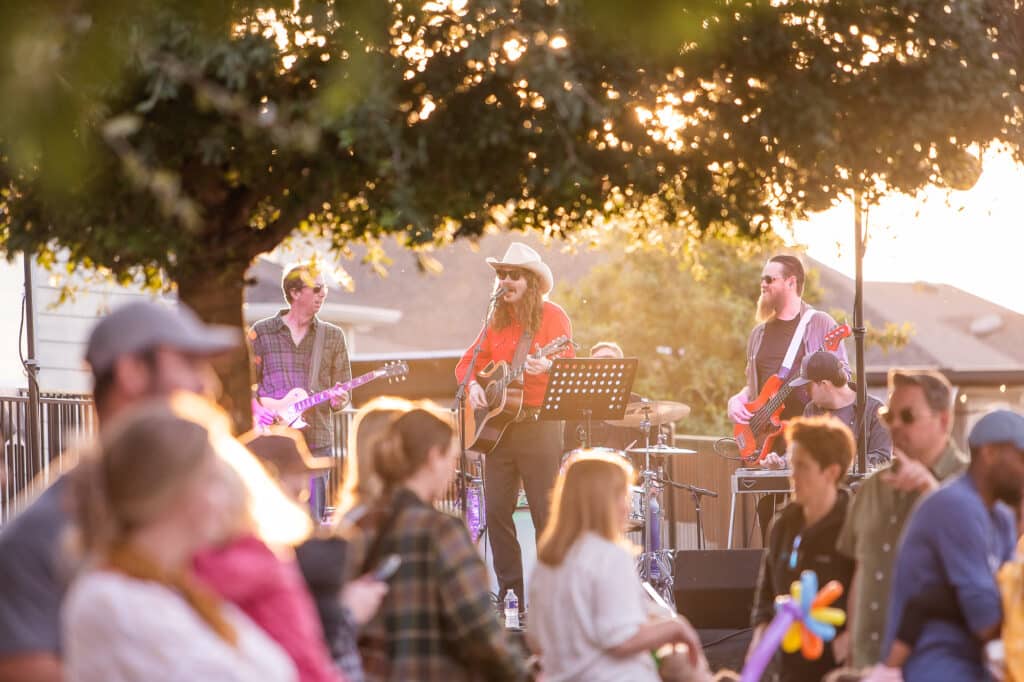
[(777, 336)]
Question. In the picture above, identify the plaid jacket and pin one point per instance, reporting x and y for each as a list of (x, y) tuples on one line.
[(437, 622), (281, 366)]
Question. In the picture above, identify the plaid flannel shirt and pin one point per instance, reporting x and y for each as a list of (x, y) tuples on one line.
[(281, 366), (437, 622)]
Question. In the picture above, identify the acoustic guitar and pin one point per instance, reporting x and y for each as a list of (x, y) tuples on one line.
[(504, 388)]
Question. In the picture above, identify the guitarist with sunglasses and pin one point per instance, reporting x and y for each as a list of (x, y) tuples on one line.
[(528, 450), (296, 349), (789, 329)]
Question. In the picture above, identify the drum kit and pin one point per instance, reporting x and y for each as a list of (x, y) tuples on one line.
[(655, 564)]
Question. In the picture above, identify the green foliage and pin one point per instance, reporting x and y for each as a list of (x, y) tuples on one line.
[(193, 136)]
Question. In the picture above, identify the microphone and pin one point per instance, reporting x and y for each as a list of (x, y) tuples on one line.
[(499, 293)]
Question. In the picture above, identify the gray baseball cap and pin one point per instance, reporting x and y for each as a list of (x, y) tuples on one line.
[(144, 325)]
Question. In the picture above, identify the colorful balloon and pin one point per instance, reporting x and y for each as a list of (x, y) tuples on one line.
[(803, 621)]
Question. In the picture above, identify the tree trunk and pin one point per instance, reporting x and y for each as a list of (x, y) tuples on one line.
[(216, 295)]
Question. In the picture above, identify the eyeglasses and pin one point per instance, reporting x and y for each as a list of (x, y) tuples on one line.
[(905, 415), (318, 288), (768, 279), (510, 275)]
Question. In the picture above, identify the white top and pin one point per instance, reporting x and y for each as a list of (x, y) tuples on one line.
[(592, 602), (118, 629)]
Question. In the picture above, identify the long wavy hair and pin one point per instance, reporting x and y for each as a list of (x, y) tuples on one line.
[(528, 310)]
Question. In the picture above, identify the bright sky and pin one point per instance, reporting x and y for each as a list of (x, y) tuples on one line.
[(972, 240)]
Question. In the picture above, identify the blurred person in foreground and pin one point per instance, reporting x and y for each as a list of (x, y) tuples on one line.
[(437, 622), (589, 618), (259, 574), (920, 418), (956, 541), (341, 606), (154, 495), (140, 350), (803, 535)]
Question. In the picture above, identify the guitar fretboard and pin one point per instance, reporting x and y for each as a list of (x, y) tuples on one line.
[(324, 396)]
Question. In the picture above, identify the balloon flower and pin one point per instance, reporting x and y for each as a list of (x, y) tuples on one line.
[(803, 622)]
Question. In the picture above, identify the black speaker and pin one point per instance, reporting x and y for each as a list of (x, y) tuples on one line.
[(714, 588)]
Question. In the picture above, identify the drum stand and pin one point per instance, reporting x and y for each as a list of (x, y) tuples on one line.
[(654, 564)]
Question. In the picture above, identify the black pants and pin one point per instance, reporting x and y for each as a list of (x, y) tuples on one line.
[(530, 451)]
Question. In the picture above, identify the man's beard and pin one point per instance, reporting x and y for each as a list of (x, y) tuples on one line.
[(765, 308), (1006, 492)]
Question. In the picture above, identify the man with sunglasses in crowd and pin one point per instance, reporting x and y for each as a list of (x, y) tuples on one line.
[(788, 329), (920, 418), (530, 449), (296, 349)]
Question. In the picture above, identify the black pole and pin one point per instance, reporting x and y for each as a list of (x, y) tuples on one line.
[(859, 228), (32, 370)]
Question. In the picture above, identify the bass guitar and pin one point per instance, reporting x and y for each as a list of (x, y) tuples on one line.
[(504, 388), (288, 410), (766, 424)]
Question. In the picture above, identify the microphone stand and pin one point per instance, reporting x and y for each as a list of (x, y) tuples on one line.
[(460, 401), (696, 493)]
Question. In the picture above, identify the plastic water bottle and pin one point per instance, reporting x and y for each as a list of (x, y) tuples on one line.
[(511, 609)]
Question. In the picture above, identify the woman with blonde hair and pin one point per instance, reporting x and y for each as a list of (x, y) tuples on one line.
[(589, 616), (153, 496), (437, 623)]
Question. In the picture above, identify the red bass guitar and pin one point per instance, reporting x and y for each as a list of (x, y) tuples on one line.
[(766, 423)]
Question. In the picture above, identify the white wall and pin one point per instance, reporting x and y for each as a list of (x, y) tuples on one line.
[(61, 330), (11, 375)]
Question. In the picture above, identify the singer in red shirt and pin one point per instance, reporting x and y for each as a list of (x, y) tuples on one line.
[(529, 450)]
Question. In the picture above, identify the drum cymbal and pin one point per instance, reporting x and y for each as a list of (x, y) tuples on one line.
[(662, 450), (660, 411)]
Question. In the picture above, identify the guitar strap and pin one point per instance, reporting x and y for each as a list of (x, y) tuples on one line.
[(318, 356), (794, 344), (522, 350)]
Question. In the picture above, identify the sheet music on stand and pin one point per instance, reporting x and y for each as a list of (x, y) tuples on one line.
[(588, 388)]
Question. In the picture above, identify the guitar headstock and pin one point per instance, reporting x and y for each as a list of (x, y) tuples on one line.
[(835, 337), (395, 371)]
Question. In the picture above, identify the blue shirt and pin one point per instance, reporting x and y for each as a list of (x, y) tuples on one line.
[(31, 577), (952, 539)]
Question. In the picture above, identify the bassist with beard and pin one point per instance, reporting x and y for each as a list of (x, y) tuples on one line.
[(779, 310)]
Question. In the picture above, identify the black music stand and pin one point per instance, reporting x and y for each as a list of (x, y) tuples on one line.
[(588, 388)]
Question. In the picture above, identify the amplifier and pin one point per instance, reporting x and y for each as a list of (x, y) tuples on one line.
[(760, 481)]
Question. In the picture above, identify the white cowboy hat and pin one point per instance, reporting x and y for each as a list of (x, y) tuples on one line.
[(519, 255)]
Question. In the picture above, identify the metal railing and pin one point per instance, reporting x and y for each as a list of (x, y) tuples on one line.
[(64, 420)]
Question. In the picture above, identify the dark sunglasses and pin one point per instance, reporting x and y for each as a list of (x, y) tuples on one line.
[(510, 275), (768, 279), (906, 415), (318, 288)]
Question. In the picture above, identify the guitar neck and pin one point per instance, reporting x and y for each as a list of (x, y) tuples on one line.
[(517, 372), (324, 396), (783, 392)]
